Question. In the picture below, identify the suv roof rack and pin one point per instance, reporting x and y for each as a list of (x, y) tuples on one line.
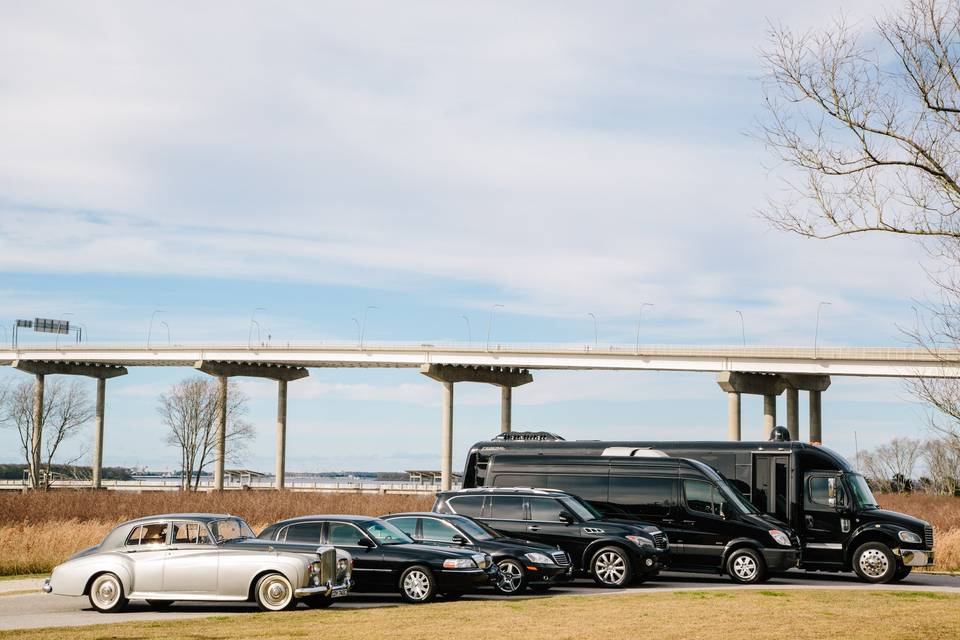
[(506, 489), (528, 435)]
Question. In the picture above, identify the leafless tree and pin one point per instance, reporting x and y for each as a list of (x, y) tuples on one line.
[(942, 458), (189, 410), (66, 408), (892, 466)]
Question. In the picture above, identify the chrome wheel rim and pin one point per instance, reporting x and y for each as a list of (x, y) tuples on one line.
[(416, 585), (275, 592), (745, 567), (874, 563), (610, 567), (511, 575), (105, 591)]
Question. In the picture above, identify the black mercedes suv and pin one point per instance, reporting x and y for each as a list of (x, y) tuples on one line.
[(614, 553)]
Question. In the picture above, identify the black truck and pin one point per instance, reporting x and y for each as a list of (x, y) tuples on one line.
[(811, 488)]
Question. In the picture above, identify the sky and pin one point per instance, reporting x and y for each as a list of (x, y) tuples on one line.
[(304, 162)]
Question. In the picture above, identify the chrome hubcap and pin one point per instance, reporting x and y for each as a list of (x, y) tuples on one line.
[(416, 585), (106, 591), (275, 593), (745, 567), (610, 567), (874, 563), (511, 576)]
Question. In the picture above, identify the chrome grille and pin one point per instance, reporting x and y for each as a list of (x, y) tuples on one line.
[(928, 536), (660, 541), (328, 564), (561, 558)]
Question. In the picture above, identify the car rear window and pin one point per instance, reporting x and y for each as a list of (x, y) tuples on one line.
[(467, 505), (507, 508), (144, 534), (304, 532)]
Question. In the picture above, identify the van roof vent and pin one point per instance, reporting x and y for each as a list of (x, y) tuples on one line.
[(634, 452)]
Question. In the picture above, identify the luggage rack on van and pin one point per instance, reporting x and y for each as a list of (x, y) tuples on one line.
[(529, 435)]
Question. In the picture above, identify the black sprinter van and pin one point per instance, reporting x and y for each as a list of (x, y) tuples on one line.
[(710, 526), (811, 488)]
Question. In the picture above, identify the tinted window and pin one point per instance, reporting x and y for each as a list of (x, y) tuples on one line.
[(343, 534), (386, 533), (643, 496), (148, 534), (532, 480), (467, 505), (825, 491), (592, 488), (190, 533), (545, 509), (304, 532), (437, 530), (407, 525), (702, 497), (507, 507)]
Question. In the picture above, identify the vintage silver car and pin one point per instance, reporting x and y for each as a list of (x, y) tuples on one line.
[(201, 556)]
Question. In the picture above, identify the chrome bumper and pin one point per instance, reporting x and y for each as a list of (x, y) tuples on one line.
[(328, 589), (46, 588), (915, 557)]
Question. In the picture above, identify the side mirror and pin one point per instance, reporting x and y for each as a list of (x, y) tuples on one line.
[(459, 539), (366, 543), (566, 517)]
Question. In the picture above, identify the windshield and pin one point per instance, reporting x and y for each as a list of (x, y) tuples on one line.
[(230, 529), (386, 533), (580, 508), (861, 491), (733, 496), (475, 530)]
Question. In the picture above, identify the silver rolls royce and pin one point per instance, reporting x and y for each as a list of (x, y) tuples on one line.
[(200, 556)]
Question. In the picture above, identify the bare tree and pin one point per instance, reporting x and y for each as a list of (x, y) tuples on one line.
[(870, 124), (892, 466), (66, 408), (190, 410)]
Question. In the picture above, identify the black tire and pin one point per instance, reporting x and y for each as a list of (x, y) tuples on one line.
[(513, 578), (539, 587), (318, 602), (902, 572), (106, 593), (417, 585), (160, 604), (874, 562), (611, 567), (274, 592), (746, 566)]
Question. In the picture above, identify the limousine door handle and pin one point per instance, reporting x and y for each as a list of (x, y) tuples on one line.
[(534, 528), (668, 521), (689, 522)]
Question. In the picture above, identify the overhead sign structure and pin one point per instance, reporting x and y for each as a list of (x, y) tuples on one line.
[(46, 325)]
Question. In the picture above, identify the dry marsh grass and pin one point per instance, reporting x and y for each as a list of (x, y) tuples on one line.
[(40, 530), (799, 615)]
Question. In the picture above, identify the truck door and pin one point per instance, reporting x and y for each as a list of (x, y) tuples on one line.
[(826, 523), (771, 485)]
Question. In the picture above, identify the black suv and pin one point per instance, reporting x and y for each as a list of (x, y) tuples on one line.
[(613, 553), (522, 563)]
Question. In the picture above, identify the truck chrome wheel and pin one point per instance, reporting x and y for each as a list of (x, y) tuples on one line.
[(275, 593), (611, 567), (417, 585), (512, 577), (874, 562), (106, 593)]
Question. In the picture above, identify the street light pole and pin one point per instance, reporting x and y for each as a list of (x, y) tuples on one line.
[(150, 330), (490, 323), (168, 331), (254, 322), (645, 304), (359, 334), (816, 332), (469, 333), (596, 331), (363, 327), (743, 332)]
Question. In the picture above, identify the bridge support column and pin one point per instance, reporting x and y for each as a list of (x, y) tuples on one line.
[(733, 416), (446, 438), (279, 474), (97, 465), (36, 432), (504, 377), (793, 413), (506, 408), (769, 414), (220, 446), (816, 435)]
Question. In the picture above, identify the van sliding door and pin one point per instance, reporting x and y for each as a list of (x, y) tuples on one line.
[(771, 484)]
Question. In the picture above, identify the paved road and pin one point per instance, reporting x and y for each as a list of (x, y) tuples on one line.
[(32, 610)]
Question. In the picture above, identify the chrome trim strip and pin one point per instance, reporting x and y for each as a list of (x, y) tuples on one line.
[(824, 545)]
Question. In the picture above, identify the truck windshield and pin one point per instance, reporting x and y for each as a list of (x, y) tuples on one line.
[(861, 491), (733, 496)]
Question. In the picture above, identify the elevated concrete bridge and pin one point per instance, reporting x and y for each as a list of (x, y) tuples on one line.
[(766, 371)]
